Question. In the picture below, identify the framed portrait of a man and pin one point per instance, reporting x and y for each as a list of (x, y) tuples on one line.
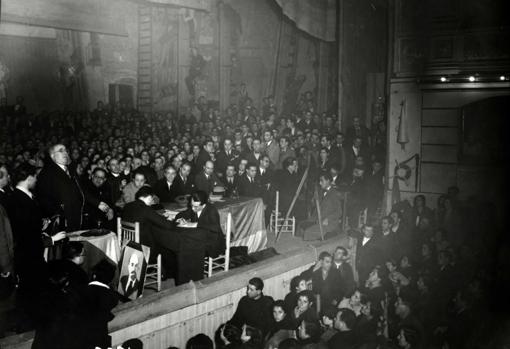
[(133, 265)]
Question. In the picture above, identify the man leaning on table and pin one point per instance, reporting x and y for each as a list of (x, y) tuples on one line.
[(156, 231)]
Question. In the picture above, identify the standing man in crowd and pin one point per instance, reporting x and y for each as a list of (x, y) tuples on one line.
[(58, 191)]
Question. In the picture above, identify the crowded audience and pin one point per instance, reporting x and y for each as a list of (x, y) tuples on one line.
[(419, 276)]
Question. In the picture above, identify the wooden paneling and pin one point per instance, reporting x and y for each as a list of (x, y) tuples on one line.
[(171, 317), (438, 135), (440, 117), (436, 178), (439, 153)]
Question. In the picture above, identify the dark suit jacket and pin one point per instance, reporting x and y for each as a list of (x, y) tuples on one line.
[(230, 187), (99, 302), (249, 189), (222, 160), (164, 193), (181, 187), (154, 228), (367, 256), (252, 159), (202, 158), (331, 208), (29, 242), (209, 224), (93, 197), (329, 289), (115, 184), (56, 190), (132, 288), (346, 277), (207, 185)]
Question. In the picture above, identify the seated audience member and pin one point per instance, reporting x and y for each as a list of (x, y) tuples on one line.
[(375, 289), (99, 302), (397, 280), (297, 284), (156, 231), (254, 309), (225, 157), (58, 191), (409, 320), (324, 164), (326, 282), (353, 302), (99, 191), (304, 309), (254, 155), (227, 337), (204, 154), (344, 269), (130, 190), (281, 327), (285, 152), (241, 168), (200, 341), (184, 184), (116, 179), (29, 240), (330, 205), (73, 258), (309, 335), (166, 188), (420, 211), (248, 183), (327, 322), (230, 180), (408, 338), (206, 180), (251, 338), (346, 338)]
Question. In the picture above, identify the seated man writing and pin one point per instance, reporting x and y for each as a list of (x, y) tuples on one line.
[(202, 234)]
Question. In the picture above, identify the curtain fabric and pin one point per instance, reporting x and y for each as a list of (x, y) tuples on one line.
[(316, 17)]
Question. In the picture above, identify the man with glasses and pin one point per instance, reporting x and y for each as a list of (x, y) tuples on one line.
[(98, 192), (58, 190)]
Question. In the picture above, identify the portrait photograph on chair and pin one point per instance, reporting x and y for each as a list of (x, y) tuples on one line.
[(133, 266)]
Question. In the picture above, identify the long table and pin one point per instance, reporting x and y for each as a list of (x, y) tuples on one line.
[(249, 228)]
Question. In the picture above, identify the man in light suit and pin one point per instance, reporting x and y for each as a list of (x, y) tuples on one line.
[(271, 148), (330, 204)]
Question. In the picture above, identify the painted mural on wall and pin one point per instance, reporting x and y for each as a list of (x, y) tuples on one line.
[(164, 50), (4, 79)]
